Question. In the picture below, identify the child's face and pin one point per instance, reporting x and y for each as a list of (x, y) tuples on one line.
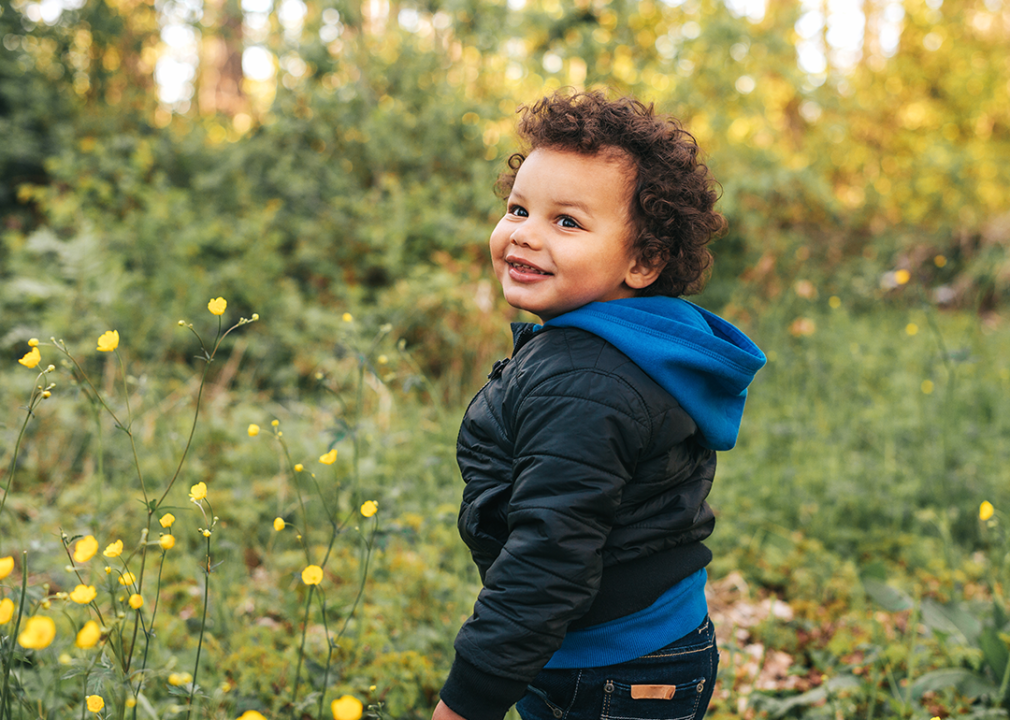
[(565, 239)]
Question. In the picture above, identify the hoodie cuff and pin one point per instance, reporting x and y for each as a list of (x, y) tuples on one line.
[(477, 695)]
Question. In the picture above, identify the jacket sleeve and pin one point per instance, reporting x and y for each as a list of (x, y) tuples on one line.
[(578, 436)]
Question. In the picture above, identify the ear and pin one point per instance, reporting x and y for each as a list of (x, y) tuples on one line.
[(642, 274)]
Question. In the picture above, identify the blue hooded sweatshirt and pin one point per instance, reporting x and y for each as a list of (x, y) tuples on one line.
[(705, 364), (703, 361)]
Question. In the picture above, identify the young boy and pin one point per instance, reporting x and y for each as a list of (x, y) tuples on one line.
[(588, 456)]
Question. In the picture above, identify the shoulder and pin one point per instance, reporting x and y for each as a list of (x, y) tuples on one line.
[(570, 365)]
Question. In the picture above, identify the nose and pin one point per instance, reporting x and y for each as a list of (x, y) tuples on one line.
[(525, 236)]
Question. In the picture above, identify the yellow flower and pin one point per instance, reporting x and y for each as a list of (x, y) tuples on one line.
[(34, 342), (166, 520), (369, 508), (198, 491), (911, 329), (927, 387), (275, 422), (89, 635), (902, 276), (6, 566), (85, 548), (109, 341), (346, 708), (329, 458), (985, 510), (127, 578), (32, 358), (131, 702), (312, 575), (254, 430), (251, 715), (114, 549), (182, 678), (95, 703), (6, 610), (38, 633), (939, 261), (347, 317), (167, 542), (299, 467), (136, 601), (83, 594), (217, 306), (279, 524)]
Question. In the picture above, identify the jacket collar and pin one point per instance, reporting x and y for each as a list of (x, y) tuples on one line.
[(521, 334)]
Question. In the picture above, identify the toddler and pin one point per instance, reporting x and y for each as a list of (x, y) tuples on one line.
[(588, 456)]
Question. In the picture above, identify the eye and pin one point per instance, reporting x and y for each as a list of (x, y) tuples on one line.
[(518, 211), (568, 222)]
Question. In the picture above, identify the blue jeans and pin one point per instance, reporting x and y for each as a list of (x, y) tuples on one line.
[(684, 670)]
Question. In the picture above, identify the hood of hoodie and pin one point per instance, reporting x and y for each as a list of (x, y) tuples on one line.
[(703, 361)]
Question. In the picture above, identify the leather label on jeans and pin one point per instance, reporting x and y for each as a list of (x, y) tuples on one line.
[(653, 692)]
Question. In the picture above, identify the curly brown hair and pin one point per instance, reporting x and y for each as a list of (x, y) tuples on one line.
[(674, 194)]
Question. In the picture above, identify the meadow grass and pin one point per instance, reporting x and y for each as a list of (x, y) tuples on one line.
[(869, 443)]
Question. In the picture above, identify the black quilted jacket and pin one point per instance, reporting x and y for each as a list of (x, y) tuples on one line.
[(584, 502)]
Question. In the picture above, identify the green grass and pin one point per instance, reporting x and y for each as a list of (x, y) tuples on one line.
[(849, 471)]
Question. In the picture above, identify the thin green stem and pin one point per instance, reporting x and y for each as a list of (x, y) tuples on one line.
[(129, 428), (301, 649), (33, 400), (5, 700), (203, 627)]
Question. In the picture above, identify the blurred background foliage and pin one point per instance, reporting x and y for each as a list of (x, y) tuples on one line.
[(303, 157), (330, 166)]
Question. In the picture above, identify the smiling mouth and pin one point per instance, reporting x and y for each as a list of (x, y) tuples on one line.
[(526, 268)]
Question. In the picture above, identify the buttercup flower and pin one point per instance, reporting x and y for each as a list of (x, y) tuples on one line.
[(198, 491), (95, 703), (89, 635), (34, 342), (85, 548), (902, 276), (136, 601), (182, 678), (38, 633), (985, 510), (369, 508), (6, 610), (114, 549), (217, 306), (6, 566), (299, 467), (166, 520), (167, 542), (279, 524), (32, 358), (109, 341), (312, 575), (347, 317), (346, 708), (127, 578), (254, 430), (251, 715), (329, 458), (83, 594)]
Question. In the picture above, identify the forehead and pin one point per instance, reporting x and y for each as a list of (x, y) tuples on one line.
[(607, 174)]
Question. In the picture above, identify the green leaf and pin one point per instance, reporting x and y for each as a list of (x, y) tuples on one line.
[(952, 620), (889, 598), (994, 650), (965, 681)]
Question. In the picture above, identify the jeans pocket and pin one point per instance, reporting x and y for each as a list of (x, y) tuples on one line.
[(644, 700), (550, 695)]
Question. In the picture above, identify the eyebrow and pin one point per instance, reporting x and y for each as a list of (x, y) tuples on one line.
[(574, 204)]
